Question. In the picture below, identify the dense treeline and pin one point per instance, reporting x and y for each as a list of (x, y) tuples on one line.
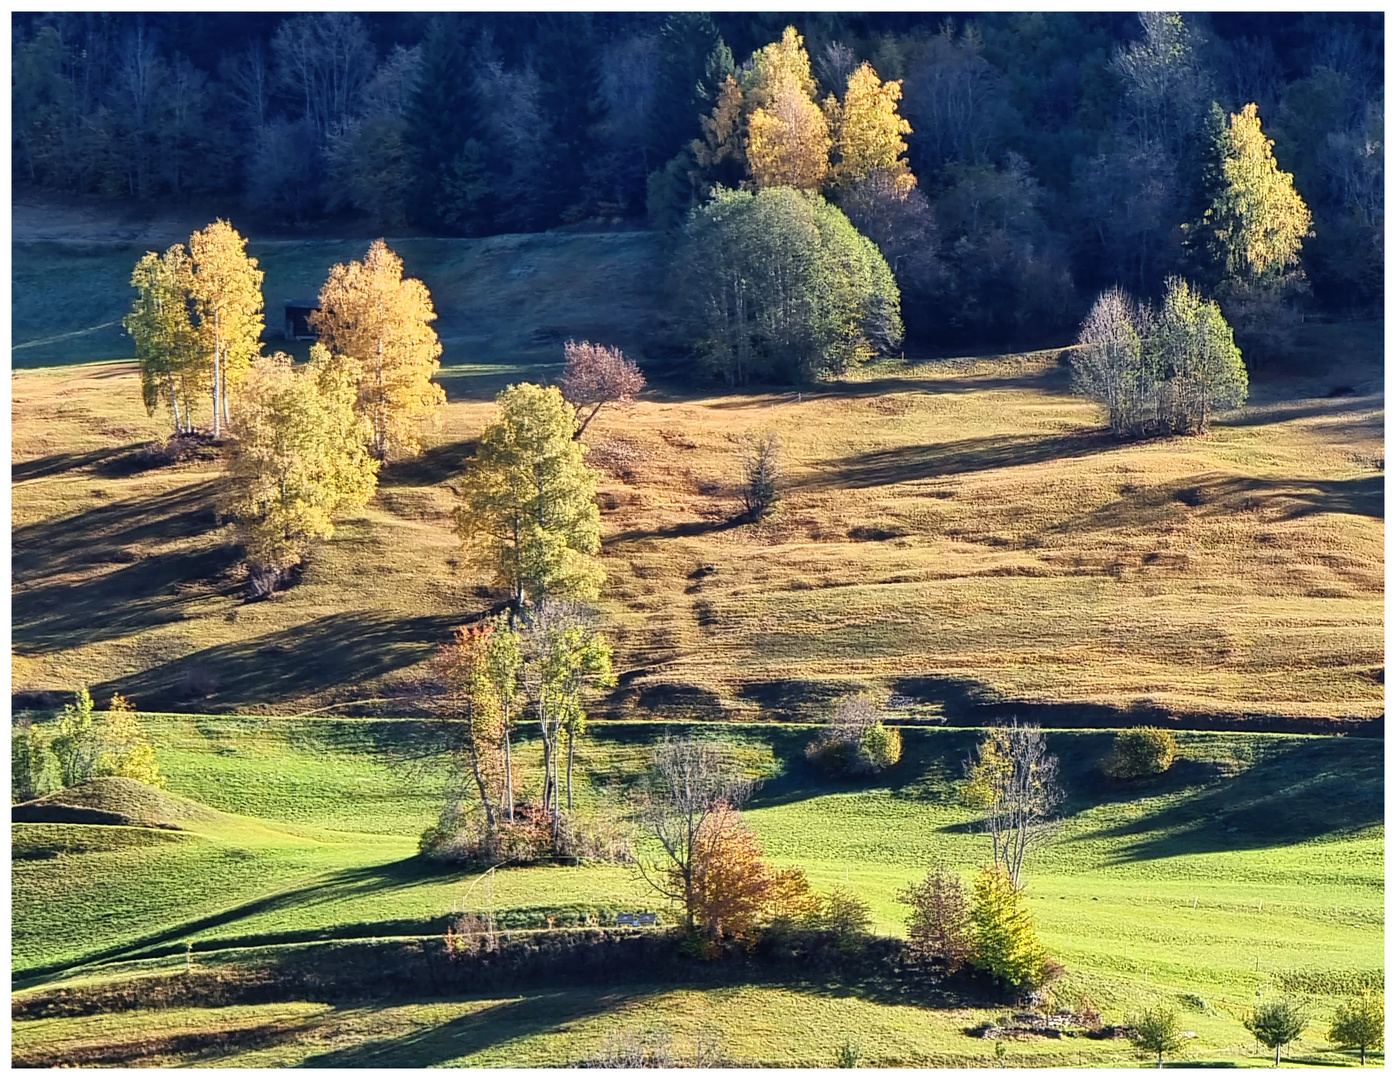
[(1055, 154)]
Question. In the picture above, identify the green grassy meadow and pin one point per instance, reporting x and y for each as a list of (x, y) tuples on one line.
[(1255, 864)]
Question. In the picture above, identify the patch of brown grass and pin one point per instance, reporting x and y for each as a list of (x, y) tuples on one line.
[(958, 520)]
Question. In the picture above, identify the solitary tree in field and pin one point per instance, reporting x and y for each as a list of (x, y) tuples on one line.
[(1111, 364), (597, 375), (226, 289), (1360, 1023), (172, 364), (1277, 1023), (369, 312), (1158, 1031), (300, 457), (1013, 780), (529, 503)]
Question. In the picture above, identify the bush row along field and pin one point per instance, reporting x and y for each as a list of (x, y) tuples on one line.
[(1254, 864), (953, 532)]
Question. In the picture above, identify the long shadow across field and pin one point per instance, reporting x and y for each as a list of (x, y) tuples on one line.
[(907, 464), (533, 1014), (1302, 791), (342, 885), (331, 652)]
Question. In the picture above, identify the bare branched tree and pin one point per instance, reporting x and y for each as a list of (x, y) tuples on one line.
[(1013, 779), (689, 781)]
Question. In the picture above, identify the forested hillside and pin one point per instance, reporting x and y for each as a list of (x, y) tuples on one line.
[(1054, 154)]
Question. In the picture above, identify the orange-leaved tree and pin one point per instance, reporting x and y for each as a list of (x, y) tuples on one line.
[(370, 313)]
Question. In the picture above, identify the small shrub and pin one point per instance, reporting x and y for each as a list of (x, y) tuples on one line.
[(1141, 751), (856, 741), (847, 917), (938, 929), (761, 476), (648, 1048), (880, 747), (849, 1055)]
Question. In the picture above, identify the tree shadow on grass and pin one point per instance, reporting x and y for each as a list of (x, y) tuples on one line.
[(154, 591), (533, 1014), (341, 885), (434, 465), (57, 464), (332, 652), (61, 545), (907, 464), (1299, 790)]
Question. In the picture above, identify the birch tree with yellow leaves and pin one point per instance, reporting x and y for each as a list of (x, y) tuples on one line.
[(787, 133), (172, 364), (226, 289), (867, 132), (370, 313)]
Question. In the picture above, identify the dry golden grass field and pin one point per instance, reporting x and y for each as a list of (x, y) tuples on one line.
[(958, 533)]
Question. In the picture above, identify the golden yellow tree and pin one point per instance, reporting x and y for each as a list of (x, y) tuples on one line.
[(226, 288), (368, 311), (1257, 221), (787, 133), (301, 456), (867, 131), (125, 749)]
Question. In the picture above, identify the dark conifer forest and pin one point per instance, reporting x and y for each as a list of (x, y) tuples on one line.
[(1055, 154)]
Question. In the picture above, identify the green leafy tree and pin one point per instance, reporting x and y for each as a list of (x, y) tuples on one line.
[(529, 505), (172, 366), (1005, 943), (301, 457), (1158, 1031), (34, 770), (76, 743), (1194, 352), (1277, 1023), (1141, 751), (779, 285), (562, 657), (1360, 1023)]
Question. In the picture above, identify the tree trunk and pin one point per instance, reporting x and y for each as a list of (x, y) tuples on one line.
[(508, 770), (1277, 1055), (571, 741), (217, 387)]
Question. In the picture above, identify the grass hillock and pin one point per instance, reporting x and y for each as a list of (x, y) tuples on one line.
[(133, 802)]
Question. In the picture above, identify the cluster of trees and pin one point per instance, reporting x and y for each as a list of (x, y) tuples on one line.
[(1159, 371), (80, 746), (1052, 152), (307, 441)]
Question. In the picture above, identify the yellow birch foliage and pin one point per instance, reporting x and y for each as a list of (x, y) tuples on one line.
[(125, 749), (300, 456), (787, 133), (369, 312), (173, 368), (1260, 221), (789, 145), (226, 287), (867, 131)]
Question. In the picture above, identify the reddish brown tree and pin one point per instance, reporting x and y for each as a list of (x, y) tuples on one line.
[(597, 375), (938, 929)]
